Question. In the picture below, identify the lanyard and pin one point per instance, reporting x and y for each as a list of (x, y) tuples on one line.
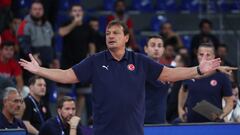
[(60, 124), (38, 111)]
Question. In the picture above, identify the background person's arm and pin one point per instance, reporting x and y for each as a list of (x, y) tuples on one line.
[(182, 97), (228, 107), (30, 128)]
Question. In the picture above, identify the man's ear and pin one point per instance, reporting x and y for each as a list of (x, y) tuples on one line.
[(127, 37), (145, 49)]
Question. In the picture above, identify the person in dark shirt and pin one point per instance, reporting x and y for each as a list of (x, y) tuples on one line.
[(65, 123), (36, 112), (12, 103), (79, 42), (118, 77), (76, 36), (156, 91), (211, 88)]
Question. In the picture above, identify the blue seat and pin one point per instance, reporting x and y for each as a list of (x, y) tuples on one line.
[(235, 7), (224, 6), (22, 6), (23, 3), (53, 95), (102, 23), (190, 5), (166, 5), (142, 5), (186, 39), (157, 22), (108, 5), (64, 5), (75, 2), (212, 6)]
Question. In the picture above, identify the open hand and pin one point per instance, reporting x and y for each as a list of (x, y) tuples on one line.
[(32, 66), (207, 66)]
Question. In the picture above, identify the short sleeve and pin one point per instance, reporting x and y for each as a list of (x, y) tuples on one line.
[(83, 70), (226, 87), (153, 69)]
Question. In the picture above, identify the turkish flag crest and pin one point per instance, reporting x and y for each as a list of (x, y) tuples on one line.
[(213, 82), (131, 67)]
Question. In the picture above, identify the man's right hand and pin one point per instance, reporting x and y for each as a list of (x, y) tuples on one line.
[(32, 66), (182, 115), (77, 20), (73, 122)]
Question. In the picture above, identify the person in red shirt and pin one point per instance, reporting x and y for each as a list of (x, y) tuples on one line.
[(120, 14), (9, 68)]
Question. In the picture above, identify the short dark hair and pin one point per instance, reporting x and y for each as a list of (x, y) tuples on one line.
[(223, 45), (33, 80), (61, 101), (203, 21), (184, 59), (75, 5), (7, 44), (93, 19), (120, 23), (118, 1), (37, 2), (208, 45), (153, 36)]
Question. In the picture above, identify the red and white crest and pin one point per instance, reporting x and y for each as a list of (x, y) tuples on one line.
[(131, 67), (213, 82)]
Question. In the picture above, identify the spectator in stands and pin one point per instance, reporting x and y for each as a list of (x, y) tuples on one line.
[(169, 54), (205, 36), (9, 34), (121, 15), (79, 41), (156, 91), (35, 36), (222, 52), (9, 68), (234, 115), (12, 103), (170, 37), (211, 88), (100, 39), (66, 122), (36, 112)]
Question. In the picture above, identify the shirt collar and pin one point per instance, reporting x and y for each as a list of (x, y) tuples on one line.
[(6, 120), (110, 57)]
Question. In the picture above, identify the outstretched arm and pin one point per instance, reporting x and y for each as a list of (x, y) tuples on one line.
[(57, 75), (183, 73)]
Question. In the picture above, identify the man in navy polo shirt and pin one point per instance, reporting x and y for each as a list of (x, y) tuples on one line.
[(156, 91), (211, 88), (12, 103), (118, 77)]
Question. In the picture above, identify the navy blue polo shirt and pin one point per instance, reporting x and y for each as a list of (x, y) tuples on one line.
[(54, 126), (212, 89), (156, 102), (4, 124), (118, 90)]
